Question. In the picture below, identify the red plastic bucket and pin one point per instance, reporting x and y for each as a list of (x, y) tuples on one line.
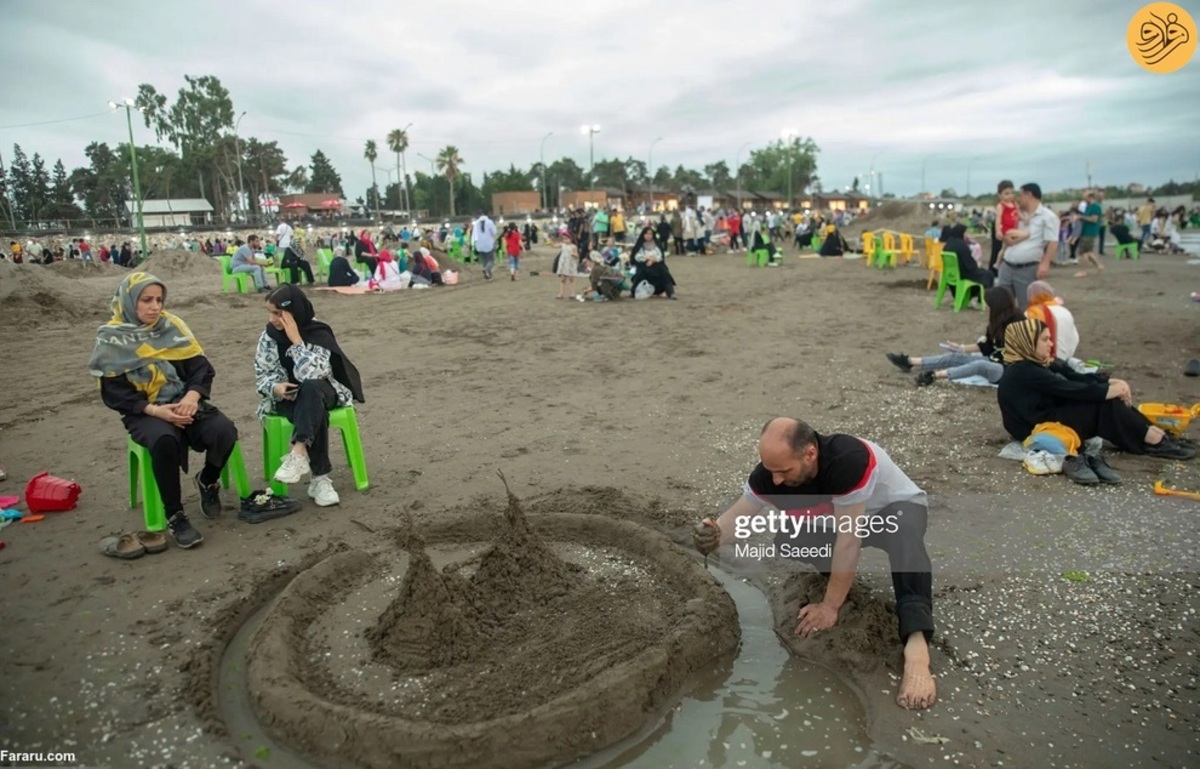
[(46, 493)]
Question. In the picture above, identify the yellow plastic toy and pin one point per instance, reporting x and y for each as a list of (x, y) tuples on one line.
[(1174, 419)]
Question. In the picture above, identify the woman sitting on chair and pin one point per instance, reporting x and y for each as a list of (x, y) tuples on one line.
[(294, 261), (762, 242), (301, 373), (985, 358), (1036, 388), (365, 251), (340, 271), (648, 265), (153, 372)]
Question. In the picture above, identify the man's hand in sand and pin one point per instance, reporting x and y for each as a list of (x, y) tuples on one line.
[(815, 617), (706, 536)]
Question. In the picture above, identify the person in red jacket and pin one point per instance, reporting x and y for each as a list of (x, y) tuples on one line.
[(512, 248), (735, 232)]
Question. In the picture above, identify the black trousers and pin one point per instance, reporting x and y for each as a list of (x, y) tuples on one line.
[(296, 265), (912, 578), (210, 431), (1123, 426), (309, 415), (371, 262)]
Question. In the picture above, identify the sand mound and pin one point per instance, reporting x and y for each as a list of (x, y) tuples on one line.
[(177, 263), (75, 268), (32, 295), (908, 216)]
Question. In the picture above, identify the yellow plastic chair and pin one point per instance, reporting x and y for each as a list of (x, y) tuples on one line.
[(907, 248), (934, 259), (887, 255), (868, 247)]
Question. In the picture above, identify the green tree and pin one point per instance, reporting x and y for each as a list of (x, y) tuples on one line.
[(39, 195), (323, 177), (854, 186), (265, 168), (397, 140), (718, 174), (688, 178), (21, 183), (449, 161), (297, 180), (62, 202), (662, 178), (635, 171), (371, 153), (565, 174), (101, 186), (948, 193), (770, 167), (609, 173), (6, 198)]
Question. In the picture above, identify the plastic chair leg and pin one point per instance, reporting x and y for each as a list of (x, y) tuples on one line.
[(141, 478), (236, 466), (352, 445), (277, 433)]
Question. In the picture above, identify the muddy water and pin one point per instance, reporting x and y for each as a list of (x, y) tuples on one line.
[(765, 709)]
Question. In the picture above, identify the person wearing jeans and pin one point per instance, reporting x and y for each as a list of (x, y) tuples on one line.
[(245, 259), (483, 237), (301, 373), (843, 492)]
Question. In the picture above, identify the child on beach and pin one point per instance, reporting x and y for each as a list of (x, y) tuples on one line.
[(566, 268), (512, 248), (1008, 218)]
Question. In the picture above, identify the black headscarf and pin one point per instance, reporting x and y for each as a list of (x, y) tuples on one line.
[(289, 297)]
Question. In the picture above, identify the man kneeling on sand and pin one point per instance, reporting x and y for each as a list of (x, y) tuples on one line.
[(835, 494)]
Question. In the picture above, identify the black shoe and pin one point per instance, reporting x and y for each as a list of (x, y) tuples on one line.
[(925, 378), (1169, 448), (1102, 470), (900, 361), (210, 498), (1192, 368), (182, 532), (1078, 470)]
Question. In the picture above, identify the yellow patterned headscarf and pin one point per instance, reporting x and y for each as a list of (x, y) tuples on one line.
[(142, 354), (1020, 342)]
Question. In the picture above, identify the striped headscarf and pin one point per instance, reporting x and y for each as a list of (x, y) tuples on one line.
[(142, 354), (1020, 342)]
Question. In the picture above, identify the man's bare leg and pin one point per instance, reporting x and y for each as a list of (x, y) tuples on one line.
[(917, 688)]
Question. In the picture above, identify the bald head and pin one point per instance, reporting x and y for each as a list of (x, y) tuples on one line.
[(788, 450)]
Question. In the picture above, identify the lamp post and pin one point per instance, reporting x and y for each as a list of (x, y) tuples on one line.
[(923, 190), (238, 144), (404, 180), (542, 159), (789, 136), (432, 172), (591, 131), (137, 184), (969, 176), (737, 171), (650, 170)]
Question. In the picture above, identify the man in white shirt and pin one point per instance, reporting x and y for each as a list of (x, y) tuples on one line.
[(483, 235), (1031, 249), (283, 236)]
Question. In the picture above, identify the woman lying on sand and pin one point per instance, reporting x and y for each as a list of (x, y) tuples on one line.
[(154, 374), (985, 358), (301, 373)]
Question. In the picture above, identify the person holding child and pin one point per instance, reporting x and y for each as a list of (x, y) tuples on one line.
[(301, 373), (153, 372)]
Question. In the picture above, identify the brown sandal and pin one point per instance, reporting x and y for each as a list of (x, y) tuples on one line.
[(152, 541), (124, 546)]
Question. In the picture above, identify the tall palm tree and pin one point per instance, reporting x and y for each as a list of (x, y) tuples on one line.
[(448, 162), (397, 141), (371, 153)]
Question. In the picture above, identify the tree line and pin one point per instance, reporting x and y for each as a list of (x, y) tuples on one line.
[(199, 151)]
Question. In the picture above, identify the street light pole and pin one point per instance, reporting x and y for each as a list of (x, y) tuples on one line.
[(137, 184), (241, 190), (737, 171), (789, 135), (542, 159), (650, 170), (591, 131)]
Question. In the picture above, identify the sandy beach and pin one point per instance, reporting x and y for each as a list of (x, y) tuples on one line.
[(1067, 616)]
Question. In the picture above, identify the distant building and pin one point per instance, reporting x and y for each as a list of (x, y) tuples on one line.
[(515, 203), (602, 197), (300, 204), (1136, 189), (183, 212)]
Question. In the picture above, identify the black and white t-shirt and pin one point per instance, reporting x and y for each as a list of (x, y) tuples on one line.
[(850, 471)]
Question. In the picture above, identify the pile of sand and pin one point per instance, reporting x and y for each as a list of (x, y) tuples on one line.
[(909, 216), (76, 268), (33, 295), (177, 263)]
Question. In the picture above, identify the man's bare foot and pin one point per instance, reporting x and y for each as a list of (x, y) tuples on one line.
[(1081, 274), (917, 688)]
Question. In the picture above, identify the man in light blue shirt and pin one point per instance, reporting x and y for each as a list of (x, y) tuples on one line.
[(245, 259), (483, 236)]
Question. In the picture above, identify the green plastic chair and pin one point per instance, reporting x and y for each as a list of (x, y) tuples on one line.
[(454, 250), (276, 270), (816, 243), (324, 260), (241, 280), (1130, 248), (962, 286), (141, 477), (761, 257), (277, 441)]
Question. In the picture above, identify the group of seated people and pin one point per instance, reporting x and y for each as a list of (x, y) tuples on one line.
[(153, 372), (1030, 357)]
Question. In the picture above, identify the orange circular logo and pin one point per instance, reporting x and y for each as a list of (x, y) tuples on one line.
[(1161, 37)]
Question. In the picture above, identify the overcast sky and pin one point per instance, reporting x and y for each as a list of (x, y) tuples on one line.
[(1030, 90)]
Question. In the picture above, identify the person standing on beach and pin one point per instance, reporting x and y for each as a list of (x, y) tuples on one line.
[(1029, 251), (846, 492), (483, 237), (1093, 213)]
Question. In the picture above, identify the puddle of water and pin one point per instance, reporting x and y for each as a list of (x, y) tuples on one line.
[(766, 709)]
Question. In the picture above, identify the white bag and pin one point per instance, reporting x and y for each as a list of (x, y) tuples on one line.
[(643, 290)]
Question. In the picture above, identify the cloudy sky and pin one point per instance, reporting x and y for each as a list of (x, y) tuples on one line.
[(972, 93)]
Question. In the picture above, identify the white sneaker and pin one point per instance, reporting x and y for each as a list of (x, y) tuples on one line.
[(321, 491), (294, 467)]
